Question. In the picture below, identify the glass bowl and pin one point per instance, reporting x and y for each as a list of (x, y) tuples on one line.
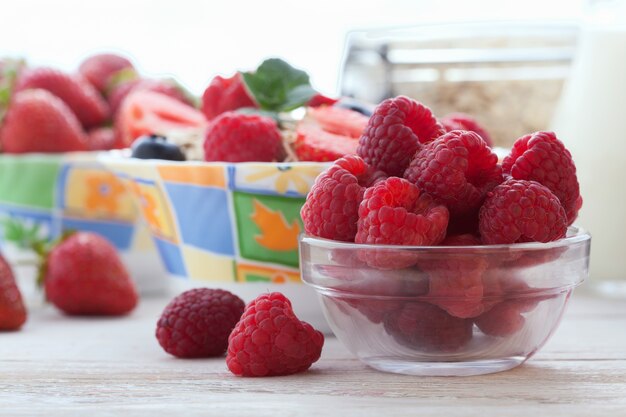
[(455, 310)]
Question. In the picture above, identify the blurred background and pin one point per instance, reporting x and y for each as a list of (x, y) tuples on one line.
[(196, 40)]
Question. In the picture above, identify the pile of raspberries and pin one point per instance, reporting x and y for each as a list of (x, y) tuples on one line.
[(420, 181)]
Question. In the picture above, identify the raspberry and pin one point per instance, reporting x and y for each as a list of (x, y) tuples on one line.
[(456, 283), (238, 137), (332, 205), (394, 133), (461, 240), (368, 290), (269, 340), (394, 213), (457, 169), (543, 158), (503, 319), (521, 211), (427, 327), (462, 121), (225, 94), (197, 323)]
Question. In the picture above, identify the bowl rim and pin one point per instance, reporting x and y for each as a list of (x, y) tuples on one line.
[(575, 234)]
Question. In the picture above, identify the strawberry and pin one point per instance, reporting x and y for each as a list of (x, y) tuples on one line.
[(315, 144), (338, 120), (99, 68), (83, 275), (147, 112), (169, 87), (102, 139), (37, 121), (80, 96), (12, 310)]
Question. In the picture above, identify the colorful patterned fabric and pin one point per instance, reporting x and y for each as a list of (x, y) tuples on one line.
[(219, 221), (48, 194)]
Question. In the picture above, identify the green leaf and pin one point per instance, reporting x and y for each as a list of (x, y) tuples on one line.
[(277, 86)]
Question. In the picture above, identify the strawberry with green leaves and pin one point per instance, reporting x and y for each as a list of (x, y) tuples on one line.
[(12, 311)]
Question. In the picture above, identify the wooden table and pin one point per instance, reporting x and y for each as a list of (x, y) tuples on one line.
[(60, 366)]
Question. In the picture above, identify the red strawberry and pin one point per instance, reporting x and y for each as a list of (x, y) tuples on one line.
[(98, 69), (12, 310), (339, 121), (224, 94), (37, 121), (315, 144), (147, 112), (102, 139), (74, 90), (85, 276), (168, 87)]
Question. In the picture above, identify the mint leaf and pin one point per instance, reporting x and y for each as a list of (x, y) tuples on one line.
[(277, 86)]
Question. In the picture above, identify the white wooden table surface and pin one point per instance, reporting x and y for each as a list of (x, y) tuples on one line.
[(60, 366)]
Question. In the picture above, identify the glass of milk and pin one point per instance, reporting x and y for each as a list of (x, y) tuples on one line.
[(591, 121)]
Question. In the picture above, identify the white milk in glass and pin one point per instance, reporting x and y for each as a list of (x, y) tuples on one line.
[(591, 121)]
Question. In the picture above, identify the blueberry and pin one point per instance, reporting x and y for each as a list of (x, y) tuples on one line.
[(156, 147), (355, 105)]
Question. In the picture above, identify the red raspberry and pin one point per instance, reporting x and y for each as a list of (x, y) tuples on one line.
[(332, 205), (394, 213), (543, 158), (238, 137), (197, 323), (506, 298), (521, 211), (462, 121), (102, 139), (269, 340), (427, 327), (394, 133), (367, 290), (456, 281), (225, 94), (503, 319), (462, 240), (457, 169)]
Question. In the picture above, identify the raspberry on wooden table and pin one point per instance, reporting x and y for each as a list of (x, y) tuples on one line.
[(197, 323), (543, 158), (394, 133), (270, 340), (457, 169), (521, 211)]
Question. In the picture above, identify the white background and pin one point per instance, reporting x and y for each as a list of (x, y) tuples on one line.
[(196, 40)]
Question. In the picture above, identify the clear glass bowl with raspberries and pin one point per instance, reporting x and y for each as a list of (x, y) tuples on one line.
[(449, 310), (432, 255)]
